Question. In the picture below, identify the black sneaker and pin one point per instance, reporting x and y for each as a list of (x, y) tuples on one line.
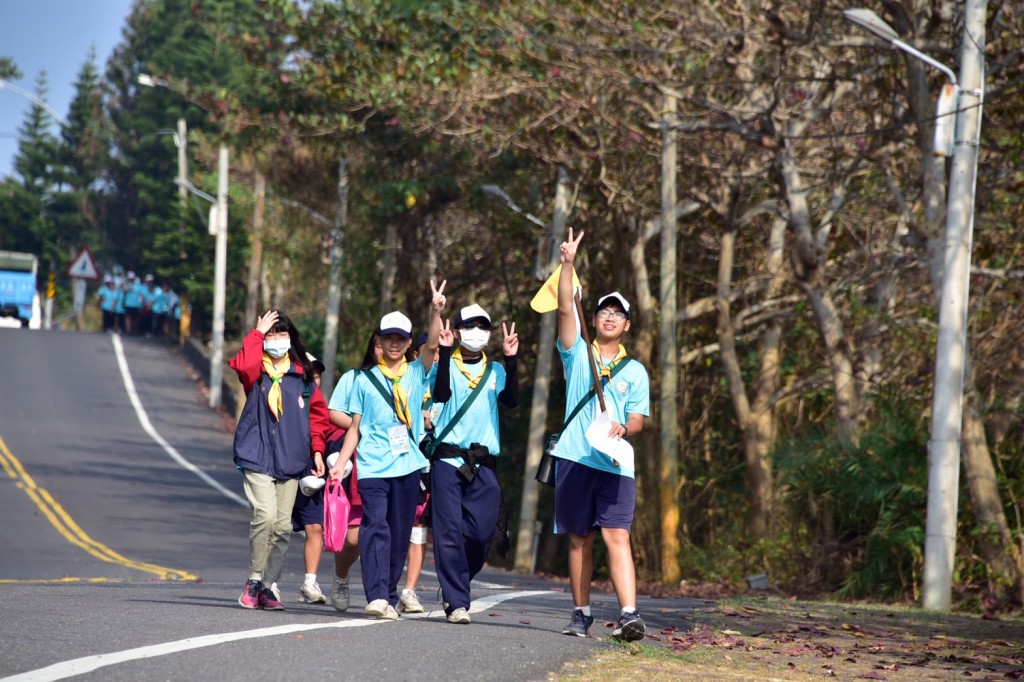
[(579, 625), (630, 628)]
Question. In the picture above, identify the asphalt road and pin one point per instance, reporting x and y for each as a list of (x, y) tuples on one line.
[(124, 546)]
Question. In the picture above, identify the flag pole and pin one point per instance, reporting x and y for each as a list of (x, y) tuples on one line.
[(590, 351)]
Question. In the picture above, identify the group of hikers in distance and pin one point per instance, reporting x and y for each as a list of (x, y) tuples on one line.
[(140, 307), (416, 436)]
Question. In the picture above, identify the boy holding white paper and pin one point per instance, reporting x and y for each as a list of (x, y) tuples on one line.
[(593, 489)]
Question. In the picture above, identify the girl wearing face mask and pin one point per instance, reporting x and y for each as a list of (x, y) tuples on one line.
[(283, 424), (387, 426), (465, 494)]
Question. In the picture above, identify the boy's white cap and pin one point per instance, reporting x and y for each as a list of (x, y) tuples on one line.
[(471, 312), (309, 485), (617, 298), (395, 323)]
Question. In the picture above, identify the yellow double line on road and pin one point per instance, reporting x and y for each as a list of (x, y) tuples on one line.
[(70, 530)]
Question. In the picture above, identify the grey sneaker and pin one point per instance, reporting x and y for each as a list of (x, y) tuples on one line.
[(459, 616), (409, 602), (579, 625), (630, 627), (310, 593), (339, 594)]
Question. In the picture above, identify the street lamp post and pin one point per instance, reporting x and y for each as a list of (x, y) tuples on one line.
[(219, 227), (951, 346)]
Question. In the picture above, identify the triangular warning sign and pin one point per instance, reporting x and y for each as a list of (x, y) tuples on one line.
[(83, 266)]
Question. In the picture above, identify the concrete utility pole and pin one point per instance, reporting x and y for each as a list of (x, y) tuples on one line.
[(334, 286), (182, 143), (668, 353), (220, 268), (951, 348), (252, 283), (527, 534)]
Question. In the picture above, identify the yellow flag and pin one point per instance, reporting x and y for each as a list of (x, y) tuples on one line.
[(546, 299)]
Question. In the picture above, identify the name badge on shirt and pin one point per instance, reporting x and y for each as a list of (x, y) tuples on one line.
[(399, 437)]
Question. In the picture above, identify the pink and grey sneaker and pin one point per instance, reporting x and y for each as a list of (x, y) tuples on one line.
[(250, 598), (269, 601)]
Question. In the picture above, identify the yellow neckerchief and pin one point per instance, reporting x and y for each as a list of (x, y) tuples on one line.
[(473, 380), (397, 392), (275, 373), (606, 370)]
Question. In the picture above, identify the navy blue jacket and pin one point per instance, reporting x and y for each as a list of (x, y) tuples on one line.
[(281, 448)]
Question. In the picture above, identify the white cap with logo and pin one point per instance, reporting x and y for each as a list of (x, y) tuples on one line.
[(471, 312), (614, 297), (395, 323)]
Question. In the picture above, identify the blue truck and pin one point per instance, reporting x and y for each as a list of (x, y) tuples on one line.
[(19, 299)]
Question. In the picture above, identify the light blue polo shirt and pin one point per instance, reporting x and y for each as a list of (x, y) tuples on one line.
[(133, 295), (627, 393), (109, 298), (480, 422), (378, 418), (342, 390)]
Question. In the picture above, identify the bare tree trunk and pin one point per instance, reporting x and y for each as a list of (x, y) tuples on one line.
[(330, 351), (252, 284), (757, 430), (642, 333), (541, 391), (806, 261), (387, 280), (1002, 556)]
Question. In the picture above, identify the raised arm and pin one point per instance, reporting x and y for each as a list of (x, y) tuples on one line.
[(442, 389), (509, 396), (434, 326), (567, 330), (249, 360)]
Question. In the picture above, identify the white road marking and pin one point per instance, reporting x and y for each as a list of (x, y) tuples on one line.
[(88, 664), (147, 426), (479, 583)]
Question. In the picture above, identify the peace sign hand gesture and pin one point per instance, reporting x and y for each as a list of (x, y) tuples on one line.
[(510, 342), (567, 251), (447, 336), (438, 299)]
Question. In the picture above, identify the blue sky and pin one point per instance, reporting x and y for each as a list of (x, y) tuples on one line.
[(55, 35)]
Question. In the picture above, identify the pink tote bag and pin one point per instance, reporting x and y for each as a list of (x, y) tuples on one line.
[(336, 511)]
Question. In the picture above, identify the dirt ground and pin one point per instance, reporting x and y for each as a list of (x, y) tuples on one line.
[(768, 638)]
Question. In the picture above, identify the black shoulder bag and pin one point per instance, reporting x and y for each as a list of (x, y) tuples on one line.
[(431, 441)]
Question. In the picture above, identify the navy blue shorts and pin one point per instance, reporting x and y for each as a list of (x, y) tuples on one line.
[(587, 498), (308, 511)]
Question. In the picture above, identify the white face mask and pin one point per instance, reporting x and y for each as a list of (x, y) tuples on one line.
[(474, 340), (277, 348)]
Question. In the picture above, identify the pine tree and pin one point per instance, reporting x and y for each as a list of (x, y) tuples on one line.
[(26, 198), (83, 154)]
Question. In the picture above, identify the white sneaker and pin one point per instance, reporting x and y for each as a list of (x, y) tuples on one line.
[(310, 593), (381, 609), (377, 608), (409, 602), (277, 592), (340, 594), (459, 616)]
